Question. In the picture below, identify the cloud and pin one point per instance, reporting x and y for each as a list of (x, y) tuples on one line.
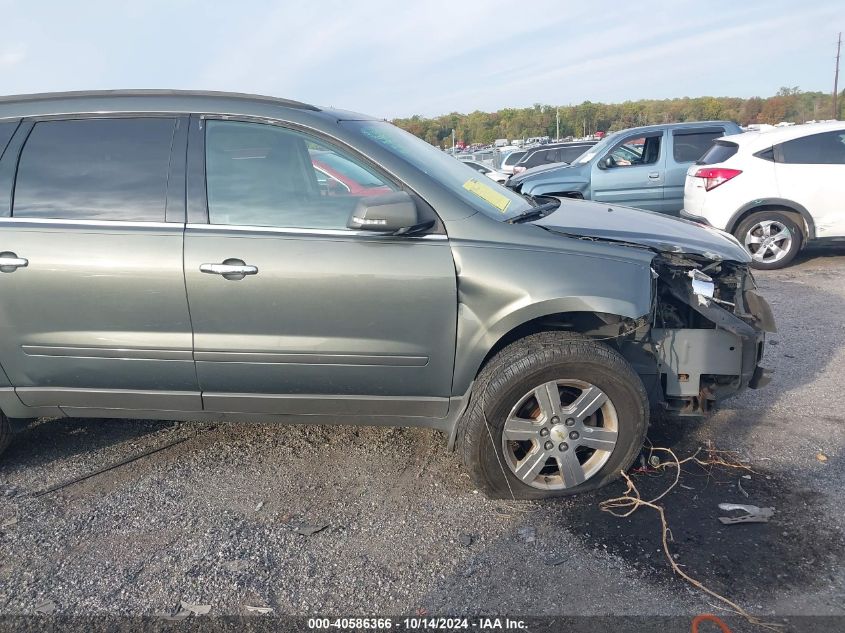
[(11, 58)]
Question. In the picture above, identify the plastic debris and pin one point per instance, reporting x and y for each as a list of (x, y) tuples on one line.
[(186, 609), (740, 488), (236, 565), (46, 607), (196, 609), (751, 514), (309, 530), (654, 461), (527, 533), (821, 457), (259, 610), (259, 506)]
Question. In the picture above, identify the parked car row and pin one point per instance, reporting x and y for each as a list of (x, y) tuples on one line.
[(492, 174), (643, 167), (552, 153), (775, 190)]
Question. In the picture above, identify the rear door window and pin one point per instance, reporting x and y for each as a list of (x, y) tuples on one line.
[(827, 148), (95, 169), (690, 146)]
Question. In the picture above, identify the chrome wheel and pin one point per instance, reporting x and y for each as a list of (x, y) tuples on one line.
[(560, 434), (768, 241)]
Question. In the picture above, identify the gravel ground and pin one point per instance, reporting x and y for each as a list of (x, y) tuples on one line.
[(223, 517)]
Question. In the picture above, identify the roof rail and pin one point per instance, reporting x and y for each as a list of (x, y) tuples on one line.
[(85, 94)]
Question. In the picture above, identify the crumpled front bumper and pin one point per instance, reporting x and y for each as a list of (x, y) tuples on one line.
[(702, 366)]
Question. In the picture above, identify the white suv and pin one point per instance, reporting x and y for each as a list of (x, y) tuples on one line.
[(774, 190)]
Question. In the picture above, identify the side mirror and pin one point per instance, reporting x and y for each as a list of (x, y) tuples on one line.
[(389, 213), (607, 162)]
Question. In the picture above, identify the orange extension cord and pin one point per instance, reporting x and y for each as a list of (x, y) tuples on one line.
[(709, 617)]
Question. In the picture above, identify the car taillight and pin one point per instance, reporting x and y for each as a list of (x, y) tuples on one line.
[(715, 176)]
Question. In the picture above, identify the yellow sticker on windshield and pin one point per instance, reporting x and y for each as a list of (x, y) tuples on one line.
[(488, 194)]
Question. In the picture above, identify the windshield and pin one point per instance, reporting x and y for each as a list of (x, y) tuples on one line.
[(463, 181), (606, 143)]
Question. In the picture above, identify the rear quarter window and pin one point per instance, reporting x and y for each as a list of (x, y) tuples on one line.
[(7, 129), (827, 148), (719, 152)]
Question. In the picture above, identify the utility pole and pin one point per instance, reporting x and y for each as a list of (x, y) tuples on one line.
[(453, 141), (836, 78), (557, 119)]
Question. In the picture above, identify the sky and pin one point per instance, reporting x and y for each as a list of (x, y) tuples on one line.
[(393, 59)]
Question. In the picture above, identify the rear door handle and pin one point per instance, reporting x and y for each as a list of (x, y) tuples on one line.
[(654, 175), (231, 269), (9, 262)]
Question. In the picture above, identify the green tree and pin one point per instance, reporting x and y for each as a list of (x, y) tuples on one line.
[(788, 104)]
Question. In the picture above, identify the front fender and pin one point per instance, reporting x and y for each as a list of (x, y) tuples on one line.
[(500, 289)]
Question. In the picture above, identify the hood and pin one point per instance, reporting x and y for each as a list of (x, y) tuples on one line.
[(658, 231), (541, 171)]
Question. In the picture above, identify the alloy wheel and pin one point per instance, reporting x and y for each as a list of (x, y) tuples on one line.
[(560, 434), (768, 241)]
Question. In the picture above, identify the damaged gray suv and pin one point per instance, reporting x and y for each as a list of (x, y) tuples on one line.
[(213, 256)]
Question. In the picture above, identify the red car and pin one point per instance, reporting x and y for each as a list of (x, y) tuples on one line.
[(338, 176)]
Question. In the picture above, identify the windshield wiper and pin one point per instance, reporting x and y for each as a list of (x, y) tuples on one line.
[(535, 213)]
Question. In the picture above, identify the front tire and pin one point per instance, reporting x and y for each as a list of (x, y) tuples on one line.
[(772, 238), (553, 414)]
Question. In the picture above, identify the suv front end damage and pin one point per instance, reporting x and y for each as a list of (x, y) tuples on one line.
[(708, 331), (702, 340)]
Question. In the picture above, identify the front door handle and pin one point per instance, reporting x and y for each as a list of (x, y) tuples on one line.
[(9, 262), (231, 269), (654, 175)]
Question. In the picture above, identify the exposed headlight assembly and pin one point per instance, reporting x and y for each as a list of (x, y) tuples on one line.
[(702, 286)]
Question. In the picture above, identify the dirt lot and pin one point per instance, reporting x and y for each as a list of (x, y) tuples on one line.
[(216, 519)]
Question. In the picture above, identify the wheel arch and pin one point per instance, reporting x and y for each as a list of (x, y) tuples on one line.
[(570, 314), (807, 226)]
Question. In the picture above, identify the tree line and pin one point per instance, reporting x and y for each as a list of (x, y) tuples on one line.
[(788, 104)]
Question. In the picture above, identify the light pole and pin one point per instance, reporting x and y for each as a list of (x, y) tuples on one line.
[(557, 120)]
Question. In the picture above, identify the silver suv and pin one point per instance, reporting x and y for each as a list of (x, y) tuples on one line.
[(211, 256)]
